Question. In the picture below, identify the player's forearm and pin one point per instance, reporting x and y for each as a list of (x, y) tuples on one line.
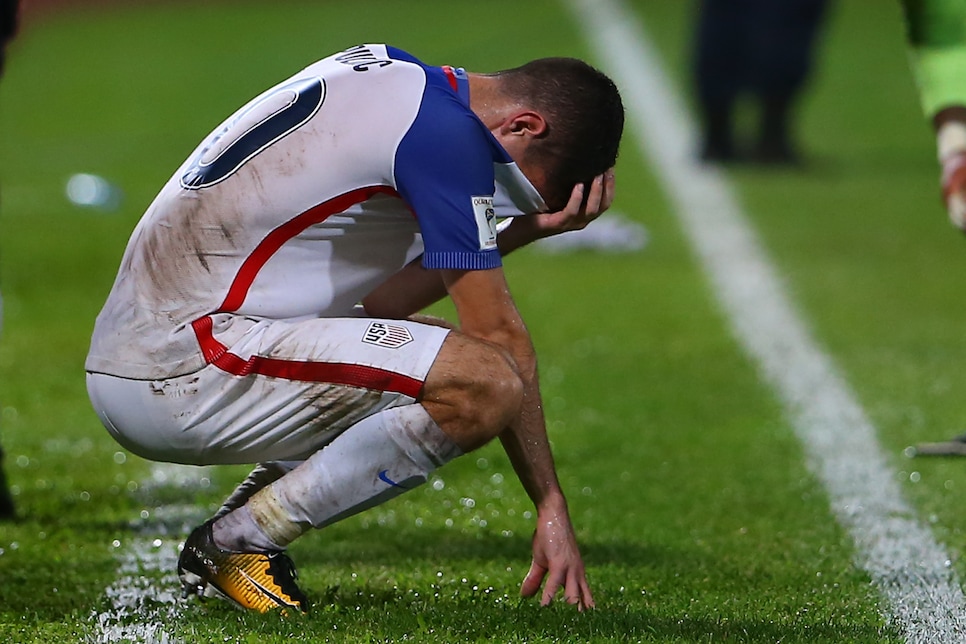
[(525, 440), (409, 291), (487, 312), (520, 232), (528, 448)]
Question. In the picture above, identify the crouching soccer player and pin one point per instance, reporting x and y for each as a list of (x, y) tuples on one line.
[(261, 313)]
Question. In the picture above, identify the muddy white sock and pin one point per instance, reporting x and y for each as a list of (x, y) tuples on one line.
[(262, 475), (237, 531), (373, 461)]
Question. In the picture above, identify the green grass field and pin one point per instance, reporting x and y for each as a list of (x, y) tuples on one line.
[(699, 519)]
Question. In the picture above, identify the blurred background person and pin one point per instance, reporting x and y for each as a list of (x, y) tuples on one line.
[(760, 48), (8, 27), (936, 31)]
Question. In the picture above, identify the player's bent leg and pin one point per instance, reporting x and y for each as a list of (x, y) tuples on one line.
[(334, 372), (471, 386), (373, 460), (376, 460), (472, 392)]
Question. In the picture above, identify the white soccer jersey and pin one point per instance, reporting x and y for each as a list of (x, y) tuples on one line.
[(305, 200)]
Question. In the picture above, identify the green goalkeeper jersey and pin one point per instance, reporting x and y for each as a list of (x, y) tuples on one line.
[(937, 36)]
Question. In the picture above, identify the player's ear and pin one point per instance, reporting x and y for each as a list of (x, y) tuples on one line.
[(524, 123)]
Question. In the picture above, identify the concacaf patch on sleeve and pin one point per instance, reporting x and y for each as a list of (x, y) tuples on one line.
[(485, 221)]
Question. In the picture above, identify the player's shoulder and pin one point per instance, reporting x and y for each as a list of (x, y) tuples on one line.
[(371, 61), (368, 59), (373, 73)]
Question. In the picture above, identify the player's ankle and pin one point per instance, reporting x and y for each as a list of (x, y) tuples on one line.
[(238, 531)]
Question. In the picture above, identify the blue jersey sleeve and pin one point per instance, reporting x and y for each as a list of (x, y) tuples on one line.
[(444, 171)]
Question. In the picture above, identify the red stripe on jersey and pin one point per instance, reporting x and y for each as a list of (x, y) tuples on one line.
[(451, 77), (352, 375), (277, 238)]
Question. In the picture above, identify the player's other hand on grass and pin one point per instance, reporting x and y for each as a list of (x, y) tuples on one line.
[(557, 560)]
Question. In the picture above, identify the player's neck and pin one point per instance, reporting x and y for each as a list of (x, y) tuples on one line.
[(487, 100)]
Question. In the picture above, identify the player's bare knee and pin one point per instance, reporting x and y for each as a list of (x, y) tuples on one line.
[(489, 404), (496, 398), (473, 391), (505, 393)]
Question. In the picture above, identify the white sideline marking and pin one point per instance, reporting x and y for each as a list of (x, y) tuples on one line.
[(925, 600), (145, 597)]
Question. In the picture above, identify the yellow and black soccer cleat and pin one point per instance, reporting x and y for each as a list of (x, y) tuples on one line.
[(260, 581)]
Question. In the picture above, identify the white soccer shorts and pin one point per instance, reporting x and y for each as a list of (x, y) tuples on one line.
[(277, 391)]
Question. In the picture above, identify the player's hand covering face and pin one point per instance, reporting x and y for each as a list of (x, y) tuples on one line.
[(586, 203)]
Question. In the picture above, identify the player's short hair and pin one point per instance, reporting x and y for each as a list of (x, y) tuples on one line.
[(585, 121)]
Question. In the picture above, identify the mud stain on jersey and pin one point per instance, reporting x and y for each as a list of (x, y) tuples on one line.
[(204, 262), (190, 249), (175, 387)]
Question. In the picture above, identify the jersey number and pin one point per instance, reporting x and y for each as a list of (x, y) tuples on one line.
[(273, 117)]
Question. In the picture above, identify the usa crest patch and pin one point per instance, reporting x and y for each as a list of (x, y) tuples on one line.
[(389, 336)]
